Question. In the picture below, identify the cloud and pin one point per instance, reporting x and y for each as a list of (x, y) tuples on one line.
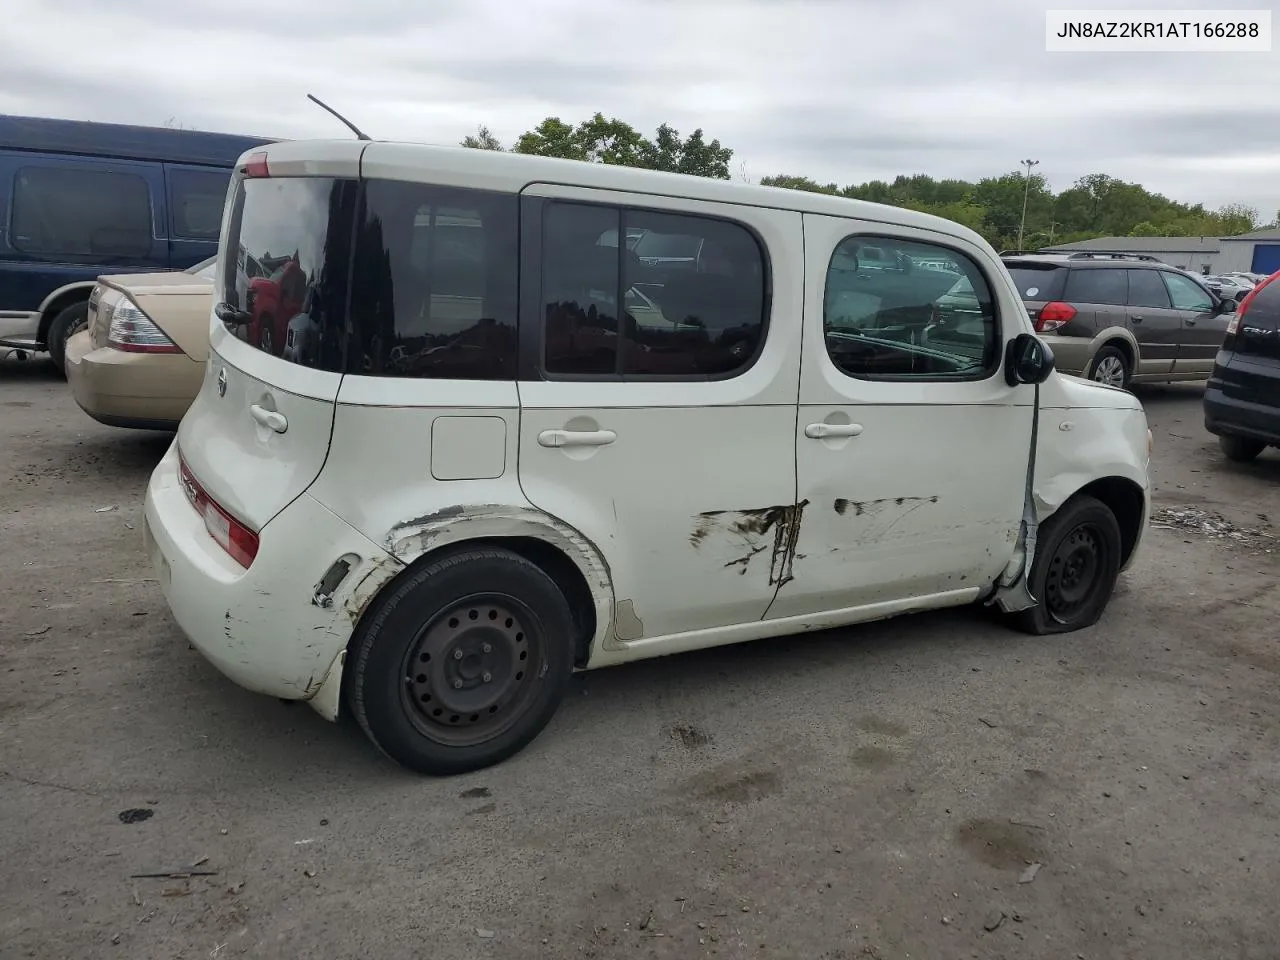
[(838, 90)]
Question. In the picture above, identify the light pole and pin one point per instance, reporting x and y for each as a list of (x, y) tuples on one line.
[(1026, 191)]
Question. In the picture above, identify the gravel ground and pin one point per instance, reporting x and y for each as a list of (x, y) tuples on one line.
[(872, 793)]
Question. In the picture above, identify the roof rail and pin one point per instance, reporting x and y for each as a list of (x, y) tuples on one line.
[(1023, 253), (1086, 255)]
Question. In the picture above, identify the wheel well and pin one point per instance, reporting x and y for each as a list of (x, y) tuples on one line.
[(1123, 345), (1125, 499), (60, 303), (552, 561)]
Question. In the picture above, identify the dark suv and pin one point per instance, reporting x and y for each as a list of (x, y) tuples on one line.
[(1122, 318), (1242, 398)]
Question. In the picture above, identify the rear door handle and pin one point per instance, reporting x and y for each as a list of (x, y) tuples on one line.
[(819, 431), (1137, 319), (268, 418), (1191, 323), (576, 438)]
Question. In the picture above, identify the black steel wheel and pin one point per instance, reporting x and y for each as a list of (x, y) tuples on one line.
[(1075, 569), (462, 662)]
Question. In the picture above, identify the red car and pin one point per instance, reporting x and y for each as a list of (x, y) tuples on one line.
[(272, 302)]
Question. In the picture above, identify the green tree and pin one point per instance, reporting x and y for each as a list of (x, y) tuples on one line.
[(791, 182), (610, 140), (482, 139), (1145, 229)]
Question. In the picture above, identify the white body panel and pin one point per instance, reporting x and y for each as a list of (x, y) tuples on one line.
[(678, 504), (708, 517), (927, 497)]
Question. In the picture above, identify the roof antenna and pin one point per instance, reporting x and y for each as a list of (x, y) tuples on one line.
[(360, 135)]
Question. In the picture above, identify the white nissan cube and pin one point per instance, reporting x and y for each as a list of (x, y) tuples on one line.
[(485, 444)]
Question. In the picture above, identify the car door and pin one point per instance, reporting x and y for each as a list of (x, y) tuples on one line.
[(911, 449), (1153, 321), (663, 435), (1203, 326)]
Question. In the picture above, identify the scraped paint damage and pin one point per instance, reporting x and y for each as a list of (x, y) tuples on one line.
[(750, 527)]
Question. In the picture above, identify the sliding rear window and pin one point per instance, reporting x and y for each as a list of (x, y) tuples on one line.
[(291, 239), (1037, 281)]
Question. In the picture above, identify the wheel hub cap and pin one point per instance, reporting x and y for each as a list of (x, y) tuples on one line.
[(1073, 573), (469, 666)]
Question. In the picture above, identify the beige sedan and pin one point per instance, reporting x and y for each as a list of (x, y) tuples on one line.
[(140, 361)]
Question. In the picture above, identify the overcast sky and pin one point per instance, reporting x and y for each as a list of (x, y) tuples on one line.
[(843, 90)]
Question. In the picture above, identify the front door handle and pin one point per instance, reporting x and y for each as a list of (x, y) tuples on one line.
[(576, 438), (820, 431), (268, 418)]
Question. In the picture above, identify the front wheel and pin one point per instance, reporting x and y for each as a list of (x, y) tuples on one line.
[(463, 662), (1240, 449), (1075, 568)]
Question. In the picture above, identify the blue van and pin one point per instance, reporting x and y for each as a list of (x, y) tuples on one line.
[(80, 199)]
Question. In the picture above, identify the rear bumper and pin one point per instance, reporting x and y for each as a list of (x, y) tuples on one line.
[(148, 390), (1239, 418), (265, 628), (1070, 354)]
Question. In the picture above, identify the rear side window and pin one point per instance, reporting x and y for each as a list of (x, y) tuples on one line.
[(196, 198), (1186, 294), (1105, 286), (81, 212), (291, 239), (687, 299), (888, 318), (435, 283), (1262, 317), (1037, 281), (1146, 289)]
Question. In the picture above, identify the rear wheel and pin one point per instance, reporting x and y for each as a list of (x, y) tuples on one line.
[(463, 662), (65, 325), (1240, 449), (1075, 568), (1111, 367)]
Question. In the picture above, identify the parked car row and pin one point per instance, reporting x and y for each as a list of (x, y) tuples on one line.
[(81, 199)]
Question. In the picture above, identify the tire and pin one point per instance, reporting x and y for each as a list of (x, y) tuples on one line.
[(1111, 366), (1081, 541), (463, 662), (68, 322), (1240, 449)]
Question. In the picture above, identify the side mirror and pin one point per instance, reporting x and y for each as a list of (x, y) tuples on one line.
[(1027, 359), (1227, 305)]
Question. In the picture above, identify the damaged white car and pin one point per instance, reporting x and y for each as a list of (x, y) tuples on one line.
[(514, 448)]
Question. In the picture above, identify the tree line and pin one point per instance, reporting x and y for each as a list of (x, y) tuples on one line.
[(1096, 205)]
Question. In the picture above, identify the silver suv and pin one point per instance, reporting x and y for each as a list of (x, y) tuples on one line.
[(1122, 318)]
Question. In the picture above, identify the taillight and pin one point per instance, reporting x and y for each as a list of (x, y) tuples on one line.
[(239, 541), (133, 331), (256, 166), (1233, 325), (1053, 315)]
